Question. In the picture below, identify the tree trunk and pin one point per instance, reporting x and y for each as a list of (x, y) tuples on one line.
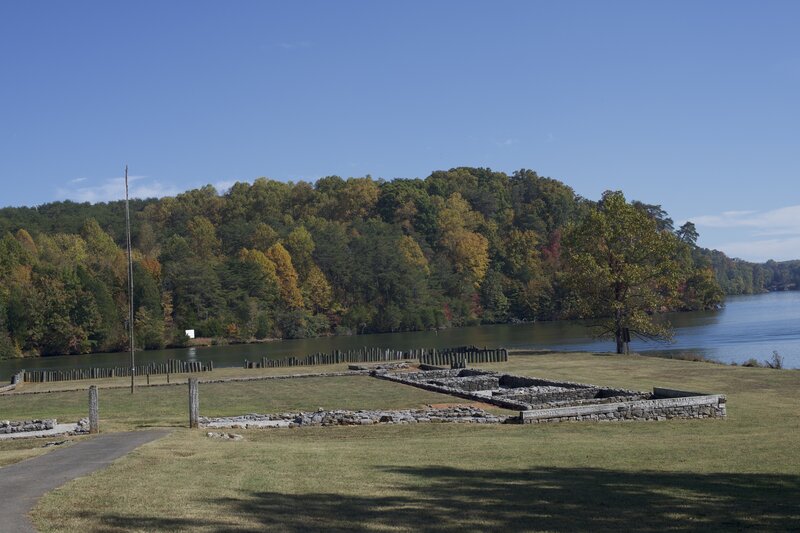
[(620, 341)]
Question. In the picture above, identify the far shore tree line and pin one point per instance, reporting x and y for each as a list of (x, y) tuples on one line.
[(349, 256)]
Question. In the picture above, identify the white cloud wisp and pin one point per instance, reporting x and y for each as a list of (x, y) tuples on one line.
[(757, 235), (114, 189)]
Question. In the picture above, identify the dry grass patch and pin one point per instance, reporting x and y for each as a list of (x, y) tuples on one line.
[(724, 475), (168, 406)]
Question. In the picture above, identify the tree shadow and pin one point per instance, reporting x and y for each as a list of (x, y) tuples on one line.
[(550, 499)]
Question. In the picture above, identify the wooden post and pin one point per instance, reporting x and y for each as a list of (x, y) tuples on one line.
[(194, 404), (94, 419)]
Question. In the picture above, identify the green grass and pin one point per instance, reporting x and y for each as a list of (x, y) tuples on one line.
[(680, 475), (168, 406), (12, 451), (161, 379)]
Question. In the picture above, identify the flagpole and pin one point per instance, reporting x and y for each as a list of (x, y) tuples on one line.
[(130, 279)]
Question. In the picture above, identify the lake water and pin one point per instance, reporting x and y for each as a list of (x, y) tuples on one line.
[(748, 326)]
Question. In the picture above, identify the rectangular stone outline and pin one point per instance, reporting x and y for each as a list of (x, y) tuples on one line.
[(657, 408), (711, 400)]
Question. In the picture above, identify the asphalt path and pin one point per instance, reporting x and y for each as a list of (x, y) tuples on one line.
[(23, 483)]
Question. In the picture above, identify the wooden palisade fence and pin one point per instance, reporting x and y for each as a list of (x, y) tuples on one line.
[(468, 354), (464, 355), (430, 356), (173, 366)]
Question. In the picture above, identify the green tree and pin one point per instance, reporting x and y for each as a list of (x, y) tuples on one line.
[(688, 233), (203, 237), (149, 330), (622, 269), (300, 245), (263, 237)]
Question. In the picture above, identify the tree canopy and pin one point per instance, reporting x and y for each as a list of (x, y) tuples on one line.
[(342, 256), (623, 268)]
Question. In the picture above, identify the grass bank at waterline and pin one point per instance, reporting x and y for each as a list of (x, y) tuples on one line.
[(738, 473)]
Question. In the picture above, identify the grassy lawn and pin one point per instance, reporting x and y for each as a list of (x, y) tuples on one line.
[(12, 451), (161, 379), (168, 406), (739, 473)]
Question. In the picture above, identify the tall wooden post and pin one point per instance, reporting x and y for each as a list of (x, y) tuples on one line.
[(194, 404), (94, 417), (130, 282)]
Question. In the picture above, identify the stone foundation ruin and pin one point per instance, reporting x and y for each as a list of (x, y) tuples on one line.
[(460, 414), (537, 400), (22, 426), (543, 400)]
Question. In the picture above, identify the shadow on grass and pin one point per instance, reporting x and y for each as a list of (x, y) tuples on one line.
[(552, 499)]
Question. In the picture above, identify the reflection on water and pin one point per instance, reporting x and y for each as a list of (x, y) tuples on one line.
[(749, 326)]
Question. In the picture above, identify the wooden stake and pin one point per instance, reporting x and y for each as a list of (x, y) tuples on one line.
[(94, 416), (194, 404)]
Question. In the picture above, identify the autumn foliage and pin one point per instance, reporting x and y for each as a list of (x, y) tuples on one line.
[(274, 259)]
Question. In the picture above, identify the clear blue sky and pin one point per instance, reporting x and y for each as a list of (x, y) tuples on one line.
[(692, 105)]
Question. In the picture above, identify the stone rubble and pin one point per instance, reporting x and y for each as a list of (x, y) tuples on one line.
[(224, 436), (82, 426), (402, 365), (7, 426), (461, 414)]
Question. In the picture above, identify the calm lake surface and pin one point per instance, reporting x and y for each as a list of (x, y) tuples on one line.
[(748, 326)]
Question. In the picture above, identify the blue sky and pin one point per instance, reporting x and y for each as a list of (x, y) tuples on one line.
[(692, 105)]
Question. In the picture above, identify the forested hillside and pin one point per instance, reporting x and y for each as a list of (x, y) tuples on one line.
[(340, 256), (742, 277)]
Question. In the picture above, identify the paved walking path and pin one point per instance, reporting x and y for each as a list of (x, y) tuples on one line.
[(23, 483)]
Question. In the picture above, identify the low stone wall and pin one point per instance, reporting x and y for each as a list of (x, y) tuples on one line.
[(542, 400), (463, 415), (402, 365), (470, 383), (510, 391), (707, 406), (481, 396), (550, 395), (7, 426)]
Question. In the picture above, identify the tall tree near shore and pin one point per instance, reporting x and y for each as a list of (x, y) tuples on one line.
[(622, 268)]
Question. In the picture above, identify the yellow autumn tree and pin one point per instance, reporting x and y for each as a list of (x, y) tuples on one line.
[(469, 252), (26, 241), (65, 250), (466, 249), (412, 253), (521, 254), (317, 291), (287, 276)]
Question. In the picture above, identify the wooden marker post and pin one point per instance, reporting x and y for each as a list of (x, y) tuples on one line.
[(194, 404), (94, 417)]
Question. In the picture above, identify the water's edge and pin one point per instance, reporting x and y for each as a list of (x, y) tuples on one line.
[(747, 327)]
